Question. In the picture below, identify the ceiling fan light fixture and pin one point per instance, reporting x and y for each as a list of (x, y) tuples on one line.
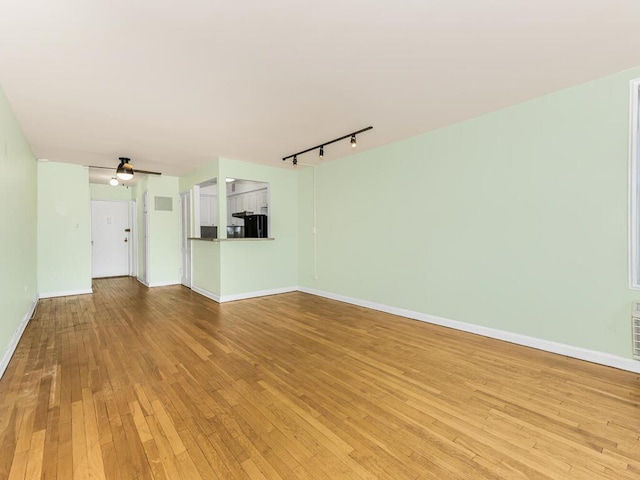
[(114, 182), (125, 169)]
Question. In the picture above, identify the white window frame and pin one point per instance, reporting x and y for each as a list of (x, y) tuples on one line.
[(634, 188)]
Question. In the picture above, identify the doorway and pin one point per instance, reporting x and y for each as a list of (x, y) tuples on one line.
[(185, 243), (110, 238)]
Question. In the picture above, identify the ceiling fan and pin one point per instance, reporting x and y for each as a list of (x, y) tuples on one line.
[(125, 171)]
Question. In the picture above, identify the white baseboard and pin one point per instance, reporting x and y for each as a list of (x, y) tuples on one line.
[(157, 284), (592, 356), (242, 296), (259, 293), (11, 348), (206, 293), (68, 293), (163, 284)]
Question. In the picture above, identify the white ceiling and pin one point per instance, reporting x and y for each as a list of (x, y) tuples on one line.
[(173, 84)]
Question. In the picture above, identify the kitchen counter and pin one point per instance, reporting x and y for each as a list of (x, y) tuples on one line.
[(216, 240)]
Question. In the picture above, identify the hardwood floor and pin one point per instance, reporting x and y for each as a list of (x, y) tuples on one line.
[(136, 383)]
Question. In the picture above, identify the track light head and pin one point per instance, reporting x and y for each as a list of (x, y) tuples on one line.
[(114, 182), (320, 147)]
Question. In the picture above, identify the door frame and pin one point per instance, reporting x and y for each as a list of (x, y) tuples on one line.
[(133, 234), (133, 244), (186, 259), (145, 239)]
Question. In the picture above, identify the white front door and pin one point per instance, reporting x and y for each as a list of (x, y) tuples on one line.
[(110, 237), (185, 243)]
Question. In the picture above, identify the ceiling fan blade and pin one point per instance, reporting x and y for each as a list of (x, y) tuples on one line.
[(145, 172)]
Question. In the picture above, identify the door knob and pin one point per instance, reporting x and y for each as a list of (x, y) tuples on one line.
[(126, 240)]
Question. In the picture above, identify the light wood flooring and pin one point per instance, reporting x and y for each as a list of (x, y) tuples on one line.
[(137, 383)]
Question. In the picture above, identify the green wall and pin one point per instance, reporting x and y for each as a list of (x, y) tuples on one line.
[(107, 192), (164, 232), (64, 229), (244, 267), (206, 266), (208, 171), (18, 274), (516, 220), (251, 266)]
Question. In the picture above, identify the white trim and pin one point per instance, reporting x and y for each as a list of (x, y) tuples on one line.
[(11, 348), (157, 284), (206, 293), (537, 343), (195, 212), (634, 274), (146, 228), (133, 244), (259, 293), (164, 284), (185, 250), (67, 293), (242, 296)]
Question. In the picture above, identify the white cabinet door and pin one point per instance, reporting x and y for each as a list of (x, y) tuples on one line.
[(205, 211), (214, 210), (252, 202), (208, 210), (264, 199), (234, 205), (255, 201)]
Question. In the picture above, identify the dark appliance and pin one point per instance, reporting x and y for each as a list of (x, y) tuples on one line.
[(208, 232), (241, 214), (235, 231), (255, 226)]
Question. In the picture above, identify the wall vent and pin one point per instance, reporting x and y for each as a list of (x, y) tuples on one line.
[(164, 203), (635, 333)]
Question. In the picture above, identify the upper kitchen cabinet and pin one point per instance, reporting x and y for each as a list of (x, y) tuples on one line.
[(246, 197), (247, 208), (208, 207)]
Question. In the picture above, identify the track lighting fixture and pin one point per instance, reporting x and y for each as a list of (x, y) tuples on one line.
[(125, 169), (352, 136), (114, 182)]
